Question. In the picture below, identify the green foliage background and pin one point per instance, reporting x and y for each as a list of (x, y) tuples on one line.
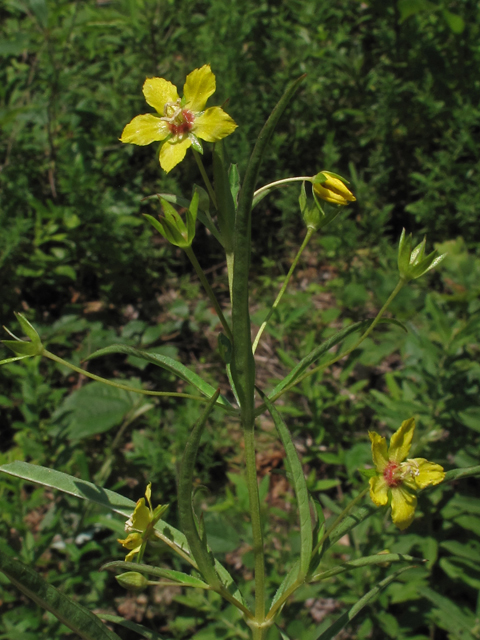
[(391, 101)]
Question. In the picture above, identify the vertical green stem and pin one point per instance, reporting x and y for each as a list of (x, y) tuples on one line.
[(209, 290), (205, 177), (310, 232), (257, 534)]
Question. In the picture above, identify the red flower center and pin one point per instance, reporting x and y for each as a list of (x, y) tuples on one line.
[(392, 478), (183, 123)]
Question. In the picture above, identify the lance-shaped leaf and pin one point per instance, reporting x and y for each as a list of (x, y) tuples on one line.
[(176, 576), (347, 617), (89, 491), (80, 620), (319, 351), (300, 487), (243, 364), (114, 502), (198, 547), (379, 558), (177, 368)]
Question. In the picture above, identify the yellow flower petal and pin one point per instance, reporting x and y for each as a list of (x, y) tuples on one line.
[(378, 490), (427, 473), (141, 516), (129, 557), (172, 154), (401, 441), (379, 451), (214, 124), (144, 130), (198, 87), (158, 92), (132, 541), (403, 507), (333, 190)]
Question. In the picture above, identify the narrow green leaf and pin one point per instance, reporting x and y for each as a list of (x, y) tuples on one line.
[(133, 626), (349, 523), (323, 348), (8, 360), (185, 487), (300, 487), (177, 576), (243, 364), (169, 364), (287, 582), (83, 622), (456, 474), (347, 617), (89, 491), (379, 558)]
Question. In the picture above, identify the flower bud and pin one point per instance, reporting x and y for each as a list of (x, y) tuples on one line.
[(132, 580), (413, 263), (25, 348), (331, 188), (172, 227)]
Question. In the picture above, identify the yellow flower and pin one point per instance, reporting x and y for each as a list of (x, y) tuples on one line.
[(400, 477), (141, 524), (333, 189), (182, 121)]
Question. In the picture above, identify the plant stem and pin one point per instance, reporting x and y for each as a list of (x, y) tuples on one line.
[(281, 183), (205, 177), (255, 517), (118, 385), (377, 319), (306, 240), (209, 290)]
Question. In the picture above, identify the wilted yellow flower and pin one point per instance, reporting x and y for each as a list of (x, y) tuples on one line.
[(399, 477), (140, 525), (333, 190), (182, 121)]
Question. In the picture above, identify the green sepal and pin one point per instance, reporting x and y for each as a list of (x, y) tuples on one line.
[(192, 216), (22, 347), (196, 144), (413, 263)]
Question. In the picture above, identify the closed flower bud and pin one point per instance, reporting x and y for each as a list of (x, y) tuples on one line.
[(331, 188), (132, 580)]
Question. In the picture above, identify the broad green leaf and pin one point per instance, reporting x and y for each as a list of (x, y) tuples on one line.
[(453, 618), (133, 626), (379, 558), (83, 622), (170, 574), (300, 487), (169, 364), (322, 349), (347, 617), (456, 23), (96, 408)]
